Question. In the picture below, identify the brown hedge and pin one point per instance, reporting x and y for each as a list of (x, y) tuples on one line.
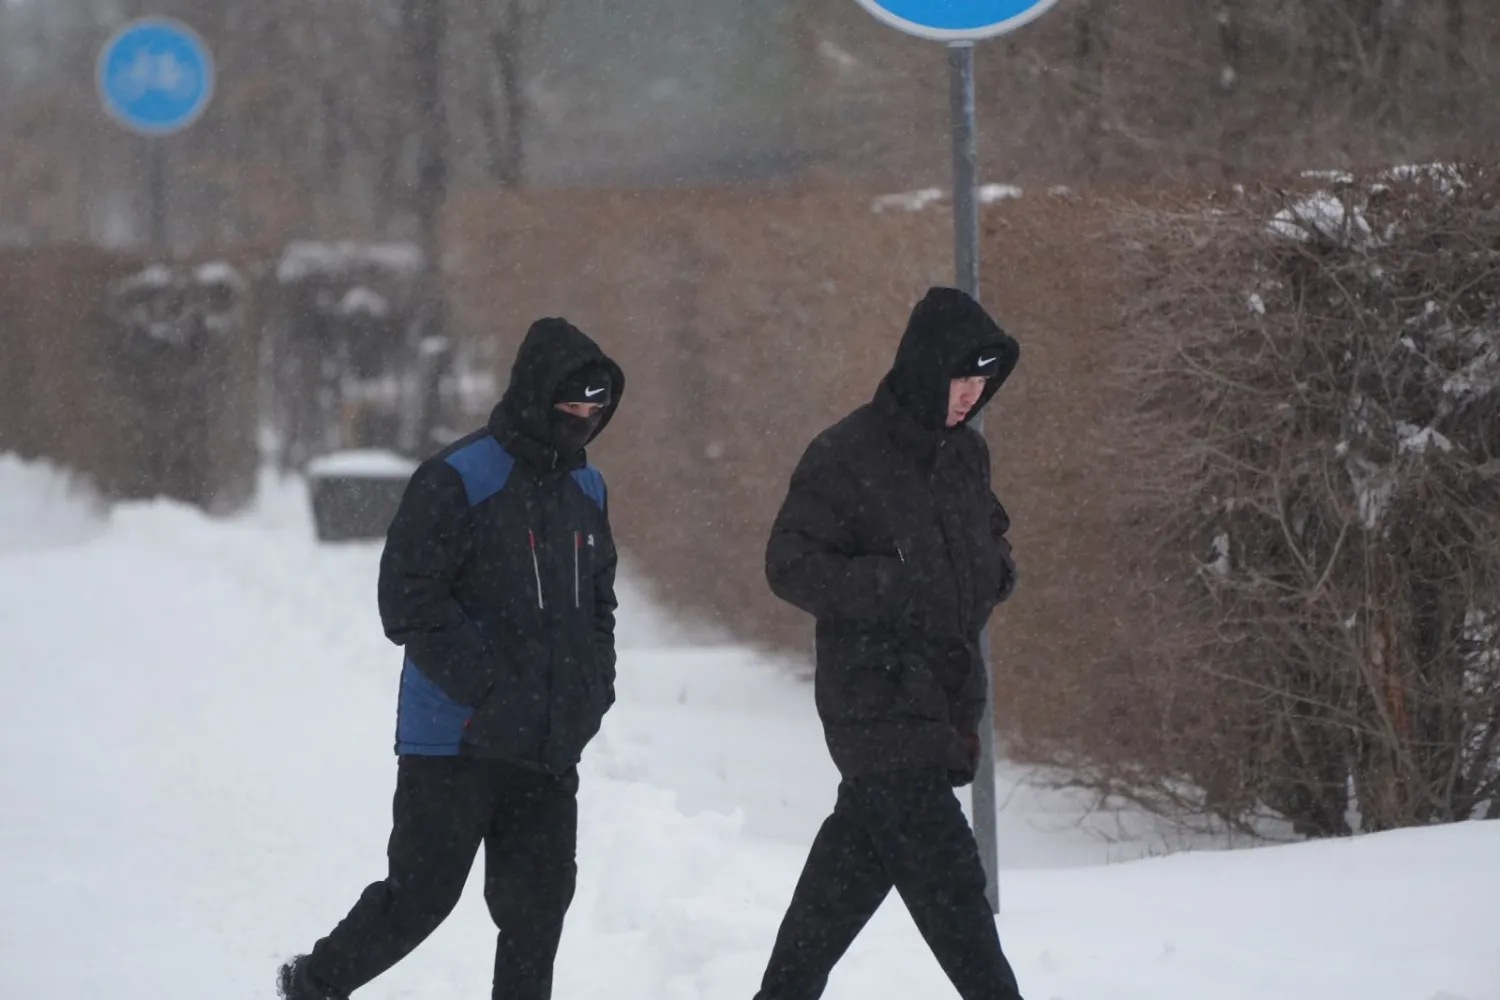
[(748, 320)]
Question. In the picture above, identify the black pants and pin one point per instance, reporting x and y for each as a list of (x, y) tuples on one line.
[(907, 830), (444, 808)]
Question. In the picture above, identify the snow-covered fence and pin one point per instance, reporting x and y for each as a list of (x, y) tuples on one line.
[(1319, 425)]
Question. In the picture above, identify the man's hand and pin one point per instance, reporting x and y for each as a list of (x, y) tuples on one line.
[(968, 774), (999, 529), (971, 744)]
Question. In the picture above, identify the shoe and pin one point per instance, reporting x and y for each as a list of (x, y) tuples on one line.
[(294, 982)]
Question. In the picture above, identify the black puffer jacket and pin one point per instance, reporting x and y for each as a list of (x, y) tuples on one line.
[(498, 579), (892, 539)]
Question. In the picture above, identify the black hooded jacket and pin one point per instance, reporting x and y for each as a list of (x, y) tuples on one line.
[(497, 578), (891, 538)]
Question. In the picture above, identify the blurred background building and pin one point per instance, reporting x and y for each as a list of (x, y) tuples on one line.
[(321, 114)]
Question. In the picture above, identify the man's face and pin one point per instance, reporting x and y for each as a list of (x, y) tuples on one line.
[(581, 410), (963, 393)]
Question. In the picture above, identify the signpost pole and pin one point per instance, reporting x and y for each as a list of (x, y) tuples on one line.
[(960, 26), (965, 167), (156, 191), (966, 273)]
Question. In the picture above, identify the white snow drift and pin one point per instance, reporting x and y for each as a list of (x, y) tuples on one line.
[(196, 734)]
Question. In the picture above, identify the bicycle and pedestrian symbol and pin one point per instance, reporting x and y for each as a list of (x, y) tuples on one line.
[(155, 76)]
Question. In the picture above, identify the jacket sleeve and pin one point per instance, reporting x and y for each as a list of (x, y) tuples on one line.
[(968, 707), (605, 602), (813, 559), (999, 529), (426, 546)]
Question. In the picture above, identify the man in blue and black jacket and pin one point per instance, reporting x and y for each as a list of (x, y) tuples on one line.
[(497, 578)]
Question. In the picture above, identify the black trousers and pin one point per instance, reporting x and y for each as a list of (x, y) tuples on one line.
[(902, 829), (444, 808)]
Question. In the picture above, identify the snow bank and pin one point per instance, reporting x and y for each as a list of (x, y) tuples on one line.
[(198, 783), (43, 507)]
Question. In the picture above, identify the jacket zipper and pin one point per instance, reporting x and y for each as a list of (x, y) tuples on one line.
[(577, 544), (536, 567)]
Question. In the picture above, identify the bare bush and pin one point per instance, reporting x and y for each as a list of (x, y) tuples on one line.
[(1319, 419)]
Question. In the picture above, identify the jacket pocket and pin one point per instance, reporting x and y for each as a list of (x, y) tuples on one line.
[(428, 720), (922, 695), (860, 677), (583, 713), (852, 694)]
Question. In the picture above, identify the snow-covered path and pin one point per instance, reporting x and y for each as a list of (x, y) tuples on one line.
[(195, 780)]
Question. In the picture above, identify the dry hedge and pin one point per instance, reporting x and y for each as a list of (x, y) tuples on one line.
[(136, 374), (749, 319), (1317, 429), (1258, 568)]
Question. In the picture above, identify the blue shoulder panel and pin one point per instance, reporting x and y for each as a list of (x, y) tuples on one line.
[(591, 481), (484, 466)]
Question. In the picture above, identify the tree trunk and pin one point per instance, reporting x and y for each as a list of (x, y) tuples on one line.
[(1232, 131), (1088, 57), (424, 24), (1454, 23), (507, 150)]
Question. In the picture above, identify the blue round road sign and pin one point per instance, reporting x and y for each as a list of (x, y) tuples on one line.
[(957, 20), (155, 75)]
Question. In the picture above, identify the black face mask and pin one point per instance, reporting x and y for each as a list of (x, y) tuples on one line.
[(570, 433)]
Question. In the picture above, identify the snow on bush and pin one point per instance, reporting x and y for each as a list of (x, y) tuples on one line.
[(916, 201), (178, 304), (1324, 482), (304, 259), (907, 201), (1322, 216)]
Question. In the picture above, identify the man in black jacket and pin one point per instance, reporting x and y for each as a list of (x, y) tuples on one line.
[(891, 538), (497, 578)]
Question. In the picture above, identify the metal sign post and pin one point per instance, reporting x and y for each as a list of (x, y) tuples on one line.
[(961, 23), (155, 77)]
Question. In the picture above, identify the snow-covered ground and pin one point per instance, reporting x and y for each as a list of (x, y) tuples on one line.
[(195, 779)]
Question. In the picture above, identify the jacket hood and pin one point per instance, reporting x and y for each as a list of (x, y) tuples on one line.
[(947, 331), (552, 350)]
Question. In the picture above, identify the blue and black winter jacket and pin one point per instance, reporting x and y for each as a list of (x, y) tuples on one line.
[(497, 578)]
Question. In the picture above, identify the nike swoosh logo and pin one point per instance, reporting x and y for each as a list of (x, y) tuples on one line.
[(591, 393), (985, 361)]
